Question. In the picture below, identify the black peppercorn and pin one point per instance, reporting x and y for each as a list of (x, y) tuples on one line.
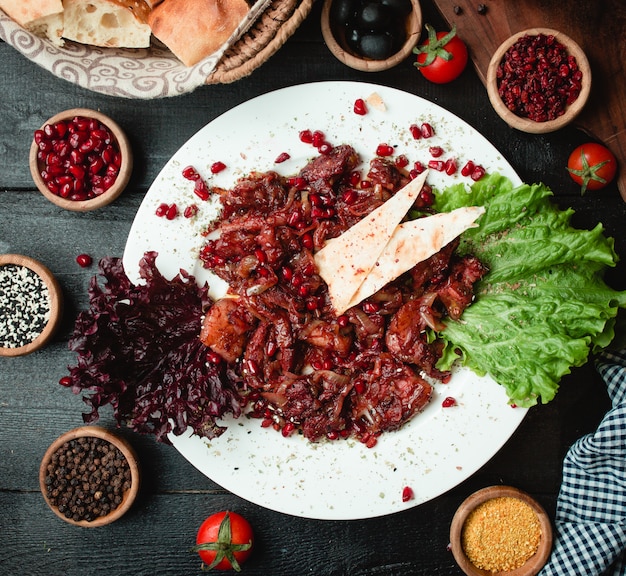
[(482, 9), (87, 478)]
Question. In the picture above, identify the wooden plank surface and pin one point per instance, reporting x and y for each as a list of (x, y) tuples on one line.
[(598, 27)]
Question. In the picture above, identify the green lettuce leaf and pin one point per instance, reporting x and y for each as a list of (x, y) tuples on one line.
[(543, 306)]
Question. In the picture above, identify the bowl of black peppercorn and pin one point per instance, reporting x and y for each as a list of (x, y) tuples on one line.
[(371, 35), (89, 476)]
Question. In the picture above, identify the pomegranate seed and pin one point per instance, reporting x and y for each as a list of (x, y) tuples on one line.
[(282, 157), (371, 307), (161, 210), (415, 131), (306, 136), (450, 166), (419, 167), (332, 435), (384, 150), (401, 161), (325, 148), (260, 256), (286, 273), (266, 423), (190, 173), (359, 107), (407, 494), (318, 138), (217, 167), (213, 358), (371, 441), (343, 320), (288, 429), (435, 151), (190, 211), (477, 173), (364, 184), (307, 240), (316, 200), (312, 305), (468, 168), (355, 178), (303, 290), (350, 196), (436, 165), (84, 260), (298, 182), (172, 212), (448, 402), (427, 130), (271, 348), (201, 190), (252, 367), (66, 381), (359, 387)]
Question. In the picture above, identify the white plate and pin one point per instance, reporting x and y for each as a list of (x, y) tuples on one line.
[(440, 447)]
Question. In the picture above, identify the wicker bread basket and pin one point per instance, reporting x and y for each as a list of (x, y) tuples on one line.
[(272, 29)]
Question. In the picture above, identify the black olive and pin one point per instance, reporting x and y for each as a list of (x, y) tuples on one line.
[(376, 46), (401, 7), (374, 17), (343, 11), (353, 39)]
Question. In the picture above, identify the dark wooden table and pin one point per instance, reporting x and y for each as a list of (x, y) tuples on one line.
[(155, 537)]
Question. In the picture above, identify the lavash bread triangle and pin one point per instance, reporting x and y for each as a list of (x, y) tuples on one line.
[(194, 29), (41, 17), (107, 23)]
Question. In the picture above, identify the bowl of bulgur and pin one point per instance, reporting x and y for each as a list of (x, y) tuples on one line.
[(501, 530)]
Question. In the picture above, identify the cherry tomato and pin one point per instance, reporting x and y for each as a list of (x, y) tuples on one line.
[(592, 166), (224, 541), (442, 57)]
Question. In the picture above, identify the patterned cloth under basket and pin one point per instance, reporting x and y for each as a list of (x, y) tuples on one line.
[(155, 72)]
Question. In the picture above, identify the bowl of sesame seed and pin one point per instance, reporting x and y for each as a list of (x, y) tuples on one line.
[(89, 476), (30, 305), (501, 530)]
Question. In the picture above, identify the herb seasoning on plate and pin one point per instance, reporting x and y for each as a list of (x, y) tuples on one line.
[(24, 305)]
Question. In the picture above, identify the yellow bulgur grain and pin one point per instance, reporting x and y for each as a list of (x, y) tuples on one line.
[(501, 534)]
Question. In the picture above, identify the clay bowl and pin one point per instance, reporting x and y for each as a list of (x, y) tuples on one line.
[(127, 451), (55, 303), (120, 142), (336, 42), (526, 124), (533, 565)]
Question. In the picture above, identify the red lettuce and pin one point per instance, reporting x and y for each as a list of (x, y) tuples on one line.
[(139, 351)]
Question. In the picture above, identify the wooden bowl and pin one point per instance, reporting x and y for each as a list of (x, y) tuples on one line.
[(55, 303), (338, 47), (107, 196), (127, 451), (526, 124), (533, 565)]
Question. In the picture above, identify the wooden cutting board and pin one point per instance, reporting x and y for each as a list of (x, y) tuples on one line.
[(598, 27)]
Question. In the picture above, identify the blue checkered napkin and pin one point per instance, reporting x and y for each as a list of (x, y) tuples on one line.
[(590, 519)]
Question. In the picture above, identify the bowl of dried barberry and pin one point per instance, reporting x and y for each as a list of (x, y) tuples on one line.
[(80, 159), (371, 35), (89, 476), (538, 80)]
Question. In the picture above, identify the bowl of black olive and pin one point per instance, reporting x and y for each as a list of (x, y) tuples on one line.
[(371, 35)]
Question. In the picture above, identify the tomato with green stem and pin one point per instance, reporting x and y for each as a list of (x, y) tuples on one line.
[(592, 166), (442, 57), (224, 541)]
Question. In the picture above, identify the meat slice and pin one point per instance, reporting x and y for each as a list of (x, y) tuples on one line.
[(225, 329)]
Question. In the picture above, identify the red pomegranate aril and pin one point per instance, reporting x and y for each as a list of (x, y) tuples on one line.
[(468, 168), (316, 200), (435, 151), (288, 429), (350, 196), (419, 167), (359, 387), (190, 211), (343, 320), (66, 381), (260, 256), (365, 184), (312, 305), (271, 348), (318, 138), (325, 148), (332, 435), (384, 150), (217, 167), (190, 173), (84, 260), (436, 165), (65, 190), (282, 157), (171, 212), (450, 166), (306, 136), (201, 190), (96, 165), (477, 173), (407, 494), (307, 240), (303, 290), (286, 273), (401, 161), (359, 107), (448, 402), (415, 131), (371, 307), (427, 130), (355, 178), (213, 357), (252, 367)]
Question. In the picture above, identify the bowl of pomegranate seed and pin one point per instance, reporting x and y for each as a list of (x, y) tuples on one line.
[(371, 35), (80, 159), (501, 530), (89, 476), (538, 80)]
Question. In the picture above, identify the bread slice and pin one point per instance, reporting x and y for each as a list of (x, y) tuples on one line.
[(194, 29), (107, 23), (41, 17)]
